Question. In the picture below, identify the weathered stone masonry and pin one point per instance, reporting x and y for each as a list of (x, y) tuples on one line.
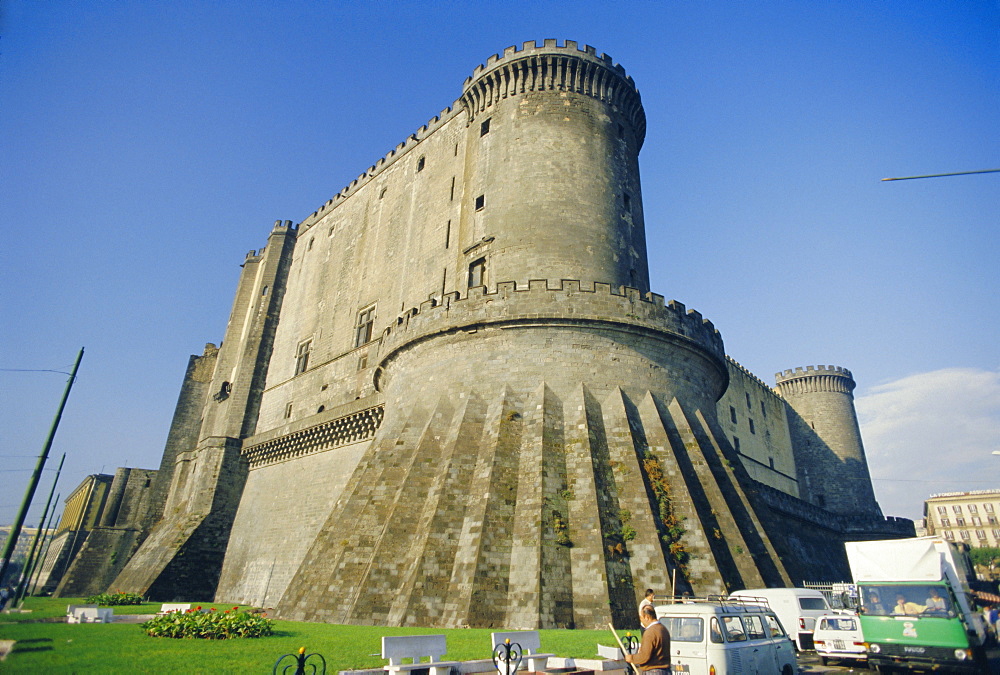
[(448, 397)]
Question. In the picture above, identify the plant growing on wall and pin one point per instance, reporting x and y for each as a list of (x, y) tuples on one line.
[(673, 529)]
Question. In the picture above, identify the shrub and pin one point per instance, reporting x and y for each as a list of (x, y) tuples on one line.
[(210, 625), (115, 599)]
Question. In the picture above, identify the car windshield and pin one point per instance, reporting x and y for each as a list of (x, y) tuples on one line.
[(684, 628), (907, 600)]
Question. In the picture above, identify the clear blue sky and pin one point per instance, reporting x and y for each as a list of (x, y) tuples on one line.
[(145, 147)]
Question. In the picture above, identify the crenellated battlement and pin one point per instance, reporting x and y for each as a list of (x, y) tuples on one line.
[(378, 167), (566, 303), (812, 371), (739, 366), (549, 46), (554, 67), (815, 378)]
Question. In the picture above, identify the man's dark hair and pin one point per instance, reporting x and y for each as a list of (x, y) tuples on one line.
[(649, 592), (649, 612)]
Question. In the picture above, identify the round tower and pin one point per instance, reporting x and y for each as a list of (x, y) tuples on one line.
[(829, 455), (546, 431), (552, 167)]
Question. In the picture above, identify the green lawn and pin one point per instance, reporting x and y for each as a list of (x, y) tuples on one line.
[(124, 648)]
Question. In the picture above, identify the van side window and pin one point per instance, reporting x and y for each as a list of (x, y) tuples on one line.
[(775, 627), (755, 629), (716, 631), (734, 629)]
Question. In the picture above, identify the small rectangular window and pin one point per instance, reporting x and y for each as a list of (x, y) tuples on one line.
[(288, 410), (965, 535), (477, 273), (363, 329), (957, 509), (996, 534), (480, 202), (973, 509), (447, 235), (942, 510), (484, 128), (981, 534), (753, 429), (770, 461), (945, 522), (763, 410), (302, 356), (749, 405), (949, 535), (977, 521), (736, 443), (988, 508), (992, 520), (420, 164), (960, 522), (451, 196), (732, 414), (627, 201)]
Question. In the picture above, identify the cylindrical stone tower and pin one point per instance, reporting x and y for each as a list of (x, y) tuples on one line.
[(829, 455), (549, 446), (553, 166)]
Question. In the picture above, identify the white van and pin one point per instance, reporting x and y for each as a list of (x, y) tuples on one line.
[(726, 636), (797, 609)]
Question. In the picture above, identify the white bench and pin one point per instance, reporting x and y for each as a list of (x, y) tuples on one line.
[(416, 647), (6, 646), (530, 645), (168, 607), (89, 614)]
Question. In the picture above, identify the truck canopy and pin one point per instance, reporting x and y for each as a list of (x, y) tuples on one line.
[(918, 559)]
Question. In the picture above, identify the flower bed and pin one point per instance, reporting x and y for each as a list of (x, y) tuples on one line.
[(210, 625), (115, 599)]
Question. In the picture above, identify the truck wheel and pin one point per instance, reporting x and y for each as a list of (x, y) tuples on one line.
[(787, 670), (824, 660)]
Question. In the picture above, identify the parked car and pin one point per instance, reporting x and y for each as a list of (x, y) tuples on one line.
[(797, 608), (838, 636), (726, 636)]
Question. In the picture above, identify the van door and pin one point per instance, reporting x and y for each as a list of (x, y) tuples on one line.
[(740, 654), (760, 644), (784, 650)]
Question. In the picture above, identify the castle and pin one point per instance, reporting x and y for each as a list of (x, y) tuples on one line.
[(448, 397)]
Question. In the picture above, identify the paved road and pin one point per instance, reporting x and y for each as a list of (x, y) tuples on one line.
[(809, 663)]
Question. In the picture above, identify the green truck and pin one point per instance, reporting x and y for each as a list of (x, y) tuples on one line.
[(916, 609)]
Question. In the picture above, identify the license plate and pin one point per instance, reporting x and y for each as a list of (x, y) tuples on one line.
[(679, 668), (838, 644)]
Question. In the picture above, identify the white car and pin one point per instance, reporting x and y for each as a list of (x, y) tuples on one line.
[(838, 636), (726, 636)]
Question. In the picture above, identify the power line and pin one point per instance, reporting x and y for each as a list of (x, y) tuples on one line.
[(941, 175)]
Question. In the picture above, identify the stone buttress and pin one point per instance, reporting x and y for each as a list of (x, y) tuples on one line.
[(182, 556), (545, 451)]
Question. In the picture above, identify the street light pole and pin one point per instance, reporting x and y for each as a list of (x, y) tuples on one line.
[(15, 530)]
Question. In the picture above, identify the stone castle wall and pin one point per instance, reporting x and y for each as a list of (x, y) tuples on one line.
[(754, 418), (448, 397)]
